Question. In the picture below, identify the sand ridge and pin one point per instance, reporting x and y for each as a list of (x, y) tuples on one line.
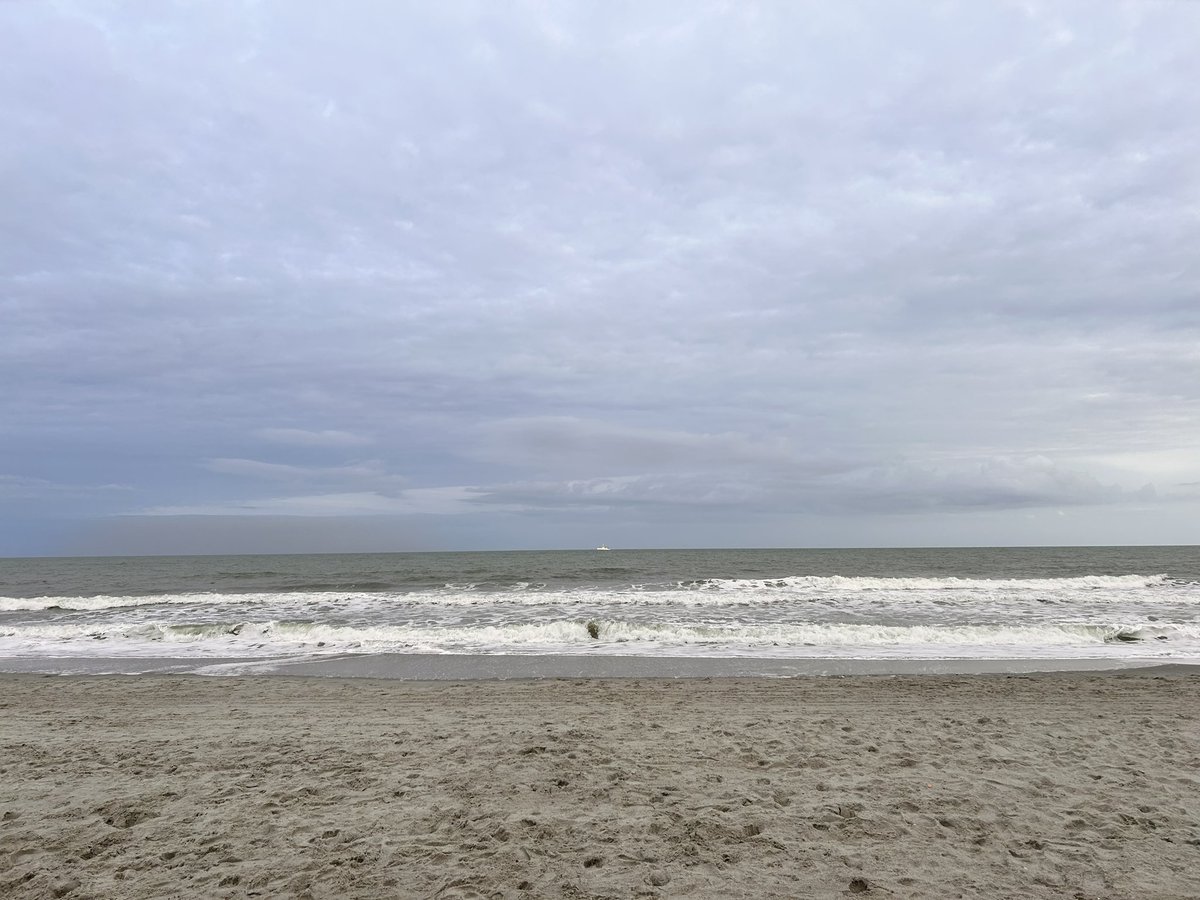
[(1063, 785)]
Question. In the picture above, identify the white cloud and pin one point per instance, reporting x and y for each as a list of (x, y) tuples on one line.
[(253, 468), (301, 437), (429, 501)]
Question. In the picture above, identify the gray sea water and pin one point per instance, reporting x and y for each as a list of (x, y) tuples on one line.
[(665, 608)]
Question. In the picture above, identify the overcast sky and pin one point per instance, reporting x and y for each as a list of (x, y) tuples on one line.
[(298, 276)]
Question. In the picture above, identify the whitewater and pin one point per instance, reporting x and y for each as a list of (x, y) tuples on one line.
[(1072, 603)]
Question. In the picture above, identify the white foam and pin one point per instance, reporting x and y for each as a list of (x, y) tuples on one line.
[(271, 638), (1095, 588), (795, 616), (845, 584), (102, 601)]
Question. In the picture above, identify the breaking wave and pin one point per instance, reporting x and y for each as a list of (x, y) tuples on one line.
[(842, 583), (268, 638), (694, 593)]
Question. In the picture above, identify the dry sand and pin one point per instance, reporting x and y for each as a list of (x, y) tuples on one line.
[(1003, 786)]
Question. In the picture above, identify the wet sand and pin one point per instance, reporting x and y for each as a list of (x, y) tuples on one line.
[(1053, 785), (475, 667)]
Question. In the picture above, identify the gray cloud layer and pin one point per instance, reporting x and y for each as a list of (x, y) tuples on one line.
[(760, 273)]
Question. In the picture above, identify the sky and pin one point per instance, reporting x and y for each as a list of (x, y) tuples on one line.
[(301, 277)]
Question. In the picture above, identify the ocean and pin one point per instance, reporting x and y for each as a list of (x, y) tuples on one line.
[(236, 614)]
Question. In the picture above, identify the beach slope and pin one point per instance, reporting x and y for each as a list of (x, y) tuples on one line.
[(1057, 785)]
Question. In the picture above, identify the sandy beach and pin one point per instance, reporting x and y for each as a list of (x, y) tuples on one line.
[(1056, 785)]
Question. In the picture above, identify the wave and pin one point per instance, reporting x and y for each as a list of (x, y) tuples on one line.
[(236, 638), (847, 583), (102, 601), (700, 592)]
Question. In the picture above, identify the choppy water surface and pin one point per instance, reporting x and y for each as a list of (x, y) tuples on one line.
[(1061, 603)]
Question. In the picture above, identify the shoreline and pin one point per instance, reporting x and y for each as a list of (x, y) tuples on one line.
[(1069, 784), (503, 667)]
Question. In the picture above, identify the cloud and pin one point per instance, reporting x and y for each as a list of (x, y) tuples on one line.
[(424, 501), (895, 488), (726, 261), (991, 483), (19, 487), (181, 535), (253, 468), (571, 443), (303, 438)]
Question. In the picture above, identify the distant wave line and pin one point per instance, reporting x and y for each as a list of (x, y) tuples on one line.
[(750, 590)]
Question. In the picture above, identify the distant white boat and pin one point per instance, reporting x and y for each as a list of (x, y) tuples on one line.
[(601, 547)]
